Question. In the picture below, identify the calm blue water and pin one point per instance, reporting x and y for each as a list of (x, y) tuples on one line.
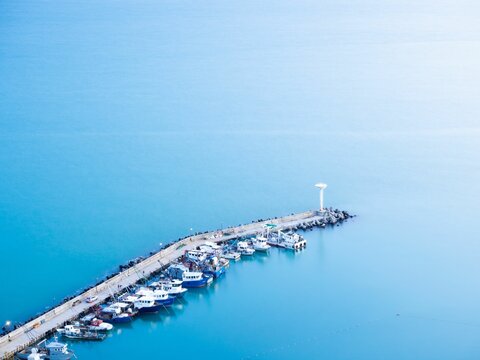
[(125, 124)]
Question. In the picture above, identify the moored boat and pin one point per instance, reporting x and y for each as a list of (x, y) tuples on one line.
[(190, 279), (49, 351), (232, 255), (94, 324), (195, 255), (293, 241), (213, 267), (173, 287), (193, 279), (142, 303), (117, 313), (78, 333), (244, 249), (260, 244), (160, 296)]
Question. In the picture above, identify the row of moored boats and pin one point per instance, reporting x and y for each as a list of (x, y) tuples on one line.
[(196, 268)]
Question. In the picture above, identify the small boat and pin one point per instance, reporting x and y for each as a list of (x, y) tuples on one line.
[(142, 303), (216, 271), (172, 287), (213, 267), (293, 242), (260, 244), (193, 279), (207, 250), (90, 322), (224, 262), (190, 279), (99, 325), (195, 255), (78, 333), (274, 240), (232, 255), (212, 245), (46, 351), (244, 249), (160, 296), (117, 313)]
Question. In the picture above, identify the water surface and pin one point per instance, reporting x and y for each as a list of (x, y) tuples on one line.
[(125, 124)]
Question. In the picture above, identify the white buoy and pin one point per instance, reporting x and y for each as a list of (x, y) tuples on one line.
[(322, 187)]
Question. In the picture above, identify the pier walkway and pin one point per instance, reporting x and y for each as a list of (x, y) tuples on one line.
[(38, 328)]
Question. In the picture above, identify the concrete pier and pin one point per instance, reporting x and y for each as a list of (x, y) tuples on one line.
[(40, 327)]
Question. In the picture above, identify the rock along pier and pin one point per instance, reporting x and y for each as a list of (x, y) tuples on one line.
[(46, 324)]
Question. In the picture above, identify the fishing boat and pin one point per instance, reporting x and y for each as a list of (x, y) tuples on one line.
[(193, 279), (195, 255), (117, 313), (78, 333), (224, 262), (94, 324), (160, 296), (207, 250), (212, 245), (190, 279), (244, 249), (260, 244), (213, 267), (274, 239), (293, 241), (173, 287), (46, 351), (232, 255), (142, 303)]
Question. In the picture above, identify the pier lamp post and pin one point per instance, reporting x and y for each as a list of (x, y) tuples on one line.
[(322, 187)]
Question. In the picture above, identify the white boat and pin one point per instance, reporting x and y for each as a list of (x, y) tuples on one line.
[(207, 250), (224, 262), (195, 255), (172, 287), (244, 249), (159, 295), (94, 324), (293, 241), (80, 333), (213, 245), (50, 351), (194, 279), (232, 255), (117, 313), (260, 244)]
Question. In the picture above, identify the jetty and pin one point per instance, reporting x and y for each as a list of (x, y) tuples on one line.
[(45, 325)]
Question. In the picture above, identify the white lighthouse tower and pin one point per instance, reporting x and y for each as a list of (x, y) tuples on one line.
[(322, 187)]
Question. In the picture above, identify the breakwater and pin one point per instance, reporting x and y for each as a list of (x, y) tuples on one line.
[(45, 324)]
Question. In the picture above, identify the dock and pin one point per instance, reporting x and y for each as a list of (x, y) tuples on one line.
[(45, 324)]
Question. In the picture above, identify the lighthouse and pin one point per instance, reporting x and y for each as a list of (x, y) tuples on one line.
[(322, 187)]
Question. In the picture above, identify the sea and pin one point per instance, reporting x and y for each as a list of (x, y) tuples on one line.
[(125, 125)]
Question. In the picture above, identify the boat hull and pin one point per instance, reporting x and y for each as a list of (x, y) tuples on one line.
[(118, 320), (217, 273), (100, 337), (197, 283), (178, 295), (166, 302)]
